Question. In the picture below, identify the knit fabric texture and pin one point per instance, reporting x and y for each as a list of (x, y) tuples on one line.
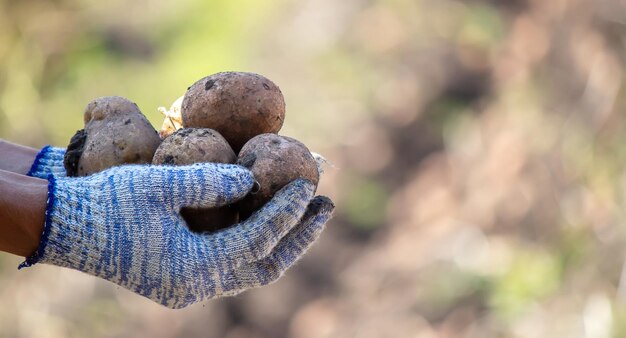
[(49, 161), (123, 225)]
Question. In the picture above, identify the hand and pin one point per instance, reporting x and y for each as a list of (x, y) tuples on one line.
[(49, 161), (123, 225)]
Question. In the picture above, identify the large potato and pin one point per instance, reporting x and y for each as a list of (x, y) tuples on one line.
[(115, 133), (238, 105)]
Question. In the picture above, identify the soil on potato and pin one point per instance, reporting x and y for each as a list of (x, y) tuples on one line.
[(73, 152)]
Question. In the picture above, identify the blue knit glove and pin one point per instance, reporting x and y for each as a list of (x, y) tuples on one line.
[(123, 225), (49, 161)]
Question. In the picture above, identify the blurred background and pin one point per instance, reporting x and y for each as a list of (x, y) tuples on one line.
[(479, 148)]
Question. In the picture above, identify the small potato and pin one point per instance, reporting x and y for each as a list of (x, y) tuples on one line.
[(115, 133), (197, 145), (275, 161), (194, 145), (238, 105)]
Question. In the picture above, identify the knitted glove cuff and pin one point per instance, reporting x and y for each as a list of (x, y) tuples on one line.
[(71, 237), (68, 238), (48, 161), (35, 257)]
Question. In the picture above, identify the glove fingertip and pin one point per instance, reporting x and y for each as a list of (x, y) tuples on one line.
[(239, 179), (230, 182), (321, 204), (299, 188), (319, 211)]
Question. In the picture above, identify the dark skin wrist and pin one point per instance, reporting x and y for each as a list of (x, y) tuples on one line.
[(22, 212), (16, 158)]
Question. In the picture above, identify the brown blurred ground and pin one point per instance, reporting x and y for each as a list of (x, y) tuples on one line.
[(479, 149)]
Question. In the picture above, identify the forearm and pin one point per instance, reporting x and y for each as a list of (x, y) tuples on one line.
[(22, 212), (16, 158)]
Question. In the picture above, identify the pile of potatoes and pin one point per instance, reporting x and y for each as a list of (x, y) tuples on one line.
[(228, 117)]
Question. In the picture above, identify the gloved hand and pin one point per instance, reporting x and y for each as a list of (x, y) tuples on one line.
[(49, 161), (123, 225)]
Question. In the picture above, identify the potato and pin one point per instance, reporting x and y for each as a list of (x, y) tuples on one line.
[(275, 161), (115, 133), (194, 145), (238, 105), (191, 145)]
